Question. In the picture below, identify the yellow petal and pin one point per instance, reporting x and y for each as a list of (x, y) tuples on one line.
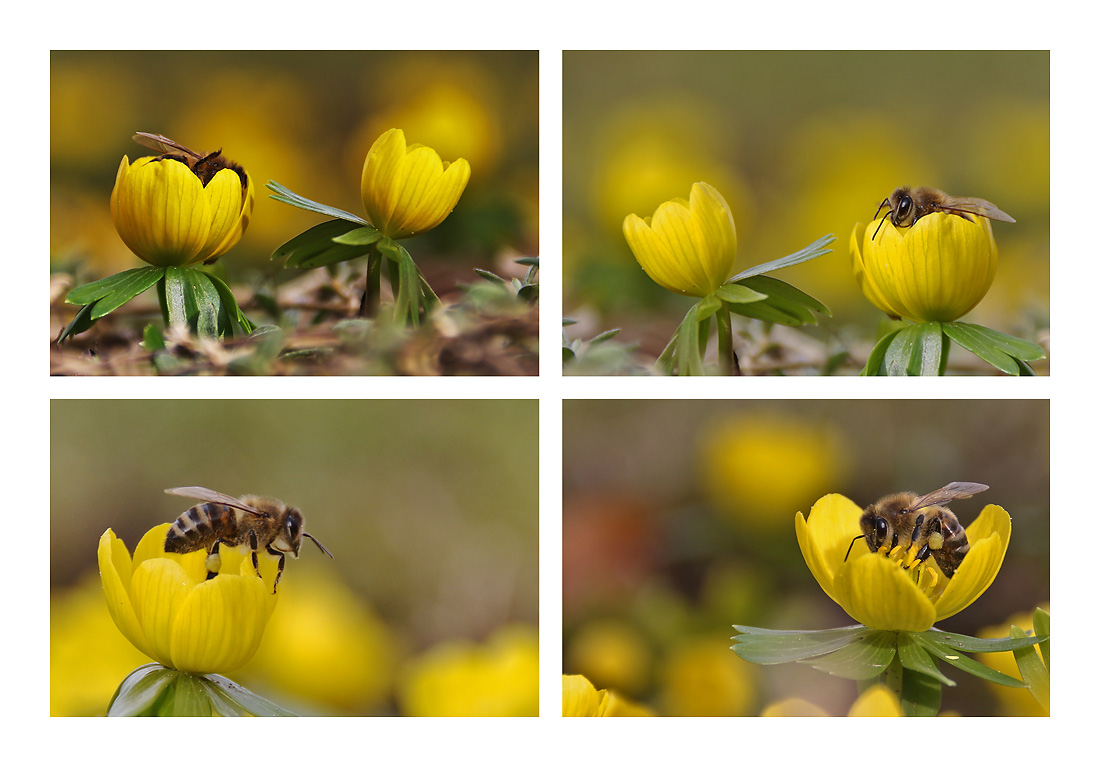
[(225, 198), (220, 624), (579, 697), (988, 536), (878, 593), (876, 700), (114, 572)]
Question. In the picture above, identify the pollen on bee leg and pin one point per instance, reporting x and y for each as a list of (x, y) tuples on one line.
[(927, 578)]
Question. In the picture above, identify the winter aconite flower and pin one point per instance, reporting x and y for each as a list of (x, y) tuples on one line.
[(165, 214), (938, 269), (686, 246), (166, 607), (408, 190), (877, 590)]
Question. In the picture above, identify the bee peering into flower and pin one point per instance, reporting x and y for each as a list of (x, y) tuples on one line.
[(686, 246), (408, 190), (889, 588), (181, 208), (937, 268)]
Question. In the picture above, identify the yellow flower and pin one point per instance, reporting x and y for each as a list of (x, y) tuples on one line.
[(876, 590), (459, 678), (701, 677), (167, 217), (756, 467), (579, 697), (876, 700), (687, 246), (167, 609), (409, 190), (938, 269)]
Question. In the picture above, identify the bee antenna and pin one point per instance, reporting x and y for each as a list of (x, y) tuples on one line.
[(322, 548), (880, 223), (853, 543)]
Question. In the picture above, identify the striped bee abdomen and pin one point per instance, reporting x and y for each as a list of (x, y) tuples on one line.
[(200, 526)]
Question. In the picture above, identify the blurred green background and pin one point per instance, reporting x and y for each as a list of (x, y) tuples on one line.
[(690, 528), (305, 119), (801, 144), (430, 509)]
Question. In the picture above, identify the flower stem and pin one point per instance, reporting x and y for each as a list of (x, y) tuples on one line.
[(727, 357), (368, 307)]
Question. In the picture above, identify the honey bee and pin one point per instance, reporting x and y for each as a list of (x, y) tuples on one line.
[(920, 521), (252, 520), (205, 166), (906, 206)]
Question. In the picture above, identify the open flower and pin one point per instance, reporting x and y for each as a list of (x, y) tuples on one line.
[(687, 246), (167, 217), (167, 609), (876, 590), (408, 190), (938, 269)]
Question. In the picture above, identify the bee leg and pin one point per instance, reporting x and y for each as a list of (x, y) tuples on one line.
[(214, 559), (253, 544), (282, 562)]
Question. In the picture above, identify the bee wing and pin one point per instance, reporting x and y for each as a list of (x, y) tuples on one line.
[(948, 493), (163, 144), (975, 205), (211, 496)]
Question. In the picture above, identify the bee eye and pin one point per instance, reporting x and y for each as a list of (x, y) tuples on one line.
[(880, 527), (292, 527)]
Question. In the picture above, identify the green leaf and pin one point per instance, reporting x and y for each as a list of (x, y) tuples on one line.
[(493, 278), (317, 247), (282, 194), (916, 351), (865, 658), (921, 695), (364, 235), (391, 249), (231, 308), (706, 307), (689, 359), (1041, 622), (876, 361), (1034, 673), (974, 644), (808, 253), (606, 335), (140, 690), (124, 282), (915, 658), (230, 699), (203, 302), (81, 322), (768, 646), (1000, 350), (734, 293), (965, 663), (785, 304)]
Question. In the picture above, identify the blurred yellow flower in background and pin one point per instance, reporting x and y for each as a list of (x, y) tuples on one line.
[(88, 656), (579, 697), (1012, 701), (876, 700), (938, 269), (168, 217), (686, 246), (757, 467), (325, 645), (793, 707), (461, 678), (408, 190), (876, 590), (701, 677), (613, 653), (166, 607)]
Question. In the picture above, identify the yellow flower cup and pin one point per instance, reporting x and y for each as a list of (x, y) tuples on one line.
[(938, 269), (166, 607), (167, 217), (875, 589), (408, 190), (686, 246)]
